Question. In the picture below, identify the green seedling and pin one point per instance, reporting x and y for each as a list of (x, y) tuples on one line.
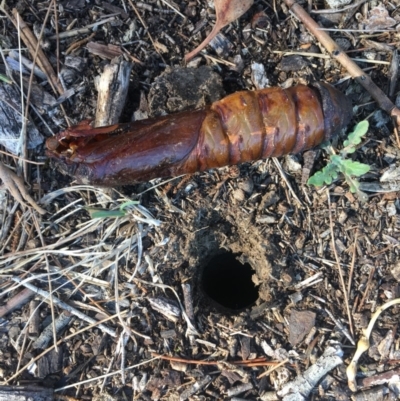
[(97, 213), (340, 164)]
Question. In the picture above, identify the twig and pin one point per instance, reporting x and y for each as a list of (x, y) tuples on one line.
[(301, 387), (16, 374), (352, 265), (79, 43), (33, 46), (249, 363), (79, 31), (16, 301), (283, 175), (346, 299), (270, 370), (48, 333), (340, 326), (28, 64), (63, 305), (173, 8), (191, 330), (53, 317), (117, 372), (371, 275), (338, 54), (57, 39), (145, 26)]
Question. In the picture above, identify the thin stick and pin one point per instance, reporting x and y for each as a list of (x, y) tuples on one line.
[(57, 39), (270, 370), (61, 304), (21, 158), (339, 55), (371, 275), (36, 51), (396, 134), (353, 259), (212, 363), (78, 31), (144, 25), (106, 375), (177, 11), (16, 374), (53, 317), (346, 299), (283, 175)]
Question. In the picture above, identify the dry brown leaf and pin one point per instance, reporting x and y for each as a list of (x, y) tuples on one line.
[(226, 11), (17, 188)]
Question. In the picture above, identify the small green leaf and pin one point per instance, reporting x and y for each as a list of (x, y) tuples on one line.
[(336, 160), (355, 137), (357, 169), (318, 179), (96, 213), (325, 176)]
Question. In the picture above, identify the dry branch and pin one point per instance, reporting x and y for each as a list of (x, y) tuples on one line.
[(61, 304), (338, 54), (15, 302), (32, 44)]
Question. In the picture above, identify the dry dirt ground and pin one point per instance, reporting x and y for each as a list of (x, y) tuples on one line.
[(230, 271)]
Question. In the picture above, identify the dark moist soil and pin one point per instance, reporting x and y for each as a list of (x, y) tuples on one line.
[(246, 214)]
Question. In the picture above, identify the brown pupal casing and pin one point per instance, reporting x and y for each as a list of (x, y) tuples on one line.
[(245, 126)]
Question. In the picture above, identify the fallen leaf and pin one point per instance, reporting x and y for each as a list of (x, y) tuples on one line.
[(226, 11), (17, 188)]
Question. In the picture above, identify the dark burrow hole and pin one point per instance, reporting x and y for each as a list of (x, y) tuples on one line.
[(228, 282)]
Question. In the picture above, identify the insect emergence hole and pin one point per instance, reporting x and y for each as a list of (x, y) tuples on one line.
[(228, 282)]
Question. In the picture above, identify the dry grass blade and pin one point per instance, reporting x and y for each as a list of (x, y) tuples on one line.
[(344, 290), (63, 305), (16, 374), (31, 42), (106, 375), (227, 11)]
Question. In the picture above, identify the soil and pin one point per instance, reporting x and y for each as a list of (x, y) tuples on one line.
[(134, 271)]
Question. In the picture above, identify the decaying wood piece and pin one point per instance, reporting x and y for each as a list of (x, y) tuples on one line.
[(300, 388), (245, 126), (34, 319), (46, 335), (26, 393), (17, 301), (11, 121), (27, 63), (112, 88), (109, 51)]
